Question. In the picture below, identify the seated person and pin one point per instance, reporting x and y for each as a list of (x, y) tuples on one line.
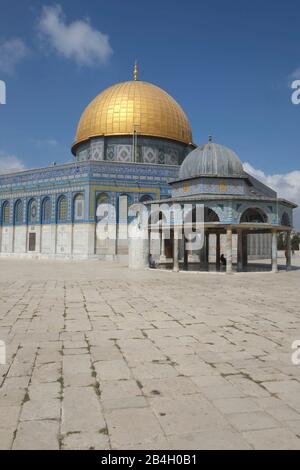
[(223, 260), (152, 263)]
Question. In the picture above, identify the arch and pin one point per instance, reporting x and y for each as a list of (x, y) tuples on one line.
[(78, 207), (102, 198), (124, 201), (32, 211), (18, 212), (5, 213), (210, 215), (253, 215), (62, 209), (104, 215), (146, 198), (285, 220), (159, 213), (46, 210)]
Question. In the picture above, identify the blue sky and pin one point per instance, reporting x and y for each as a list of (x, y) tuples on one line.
[(227, 62)]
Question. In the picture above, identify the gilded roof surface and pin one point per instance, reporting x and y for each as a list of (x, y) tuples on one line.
[(134, 106)]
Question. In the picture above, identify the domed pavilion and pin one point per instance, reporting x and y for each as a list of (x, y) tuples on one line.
[(236, 208)]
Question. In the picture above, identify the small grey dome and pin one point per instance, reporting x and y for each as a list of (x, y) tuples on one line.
[(211, 160)]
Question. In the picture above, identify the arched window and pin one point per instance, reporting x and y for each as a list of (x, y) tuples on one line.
[(5, 213), (146, 198), (78, 207), (62, 209), (155, 216), (18, 214), (32, 211), (104, 214), (46, 210), (123, 208), (101, 199), (285, 220), (210, 215), (255, 216)]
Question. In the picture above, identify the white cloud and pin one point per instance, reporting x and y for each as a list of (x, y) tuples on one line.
[(77, 40), (43, 142), (10, 163), (11, 53), (287, 186), (296, 74)]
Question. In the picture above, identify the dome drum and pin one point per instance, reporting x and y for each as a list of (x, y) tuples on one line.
[(147, 149)]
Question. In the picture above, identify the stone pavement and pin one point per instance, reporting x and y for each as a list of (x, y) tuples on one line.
[(99, 357)]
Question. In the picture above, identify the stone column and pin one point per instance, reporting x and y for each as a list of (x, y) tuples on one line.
[(55, 239), (218, 250), (229, 251), (240, 250), (202, 252), (245, 249), (207, 248), (185, 255), (138, 249), (175, 251), (274, 252), (162, 246), (289, 251)]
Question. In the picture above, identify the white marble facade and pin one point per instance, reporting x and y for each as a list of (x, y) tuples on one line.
[(50, 241)]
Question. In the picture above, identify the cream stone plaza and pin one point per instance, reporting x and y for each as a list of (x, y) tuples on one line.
[(101, 357)]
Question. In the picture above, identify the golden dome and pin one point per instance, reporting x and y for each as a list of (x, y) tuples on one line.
[(134, 106)]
